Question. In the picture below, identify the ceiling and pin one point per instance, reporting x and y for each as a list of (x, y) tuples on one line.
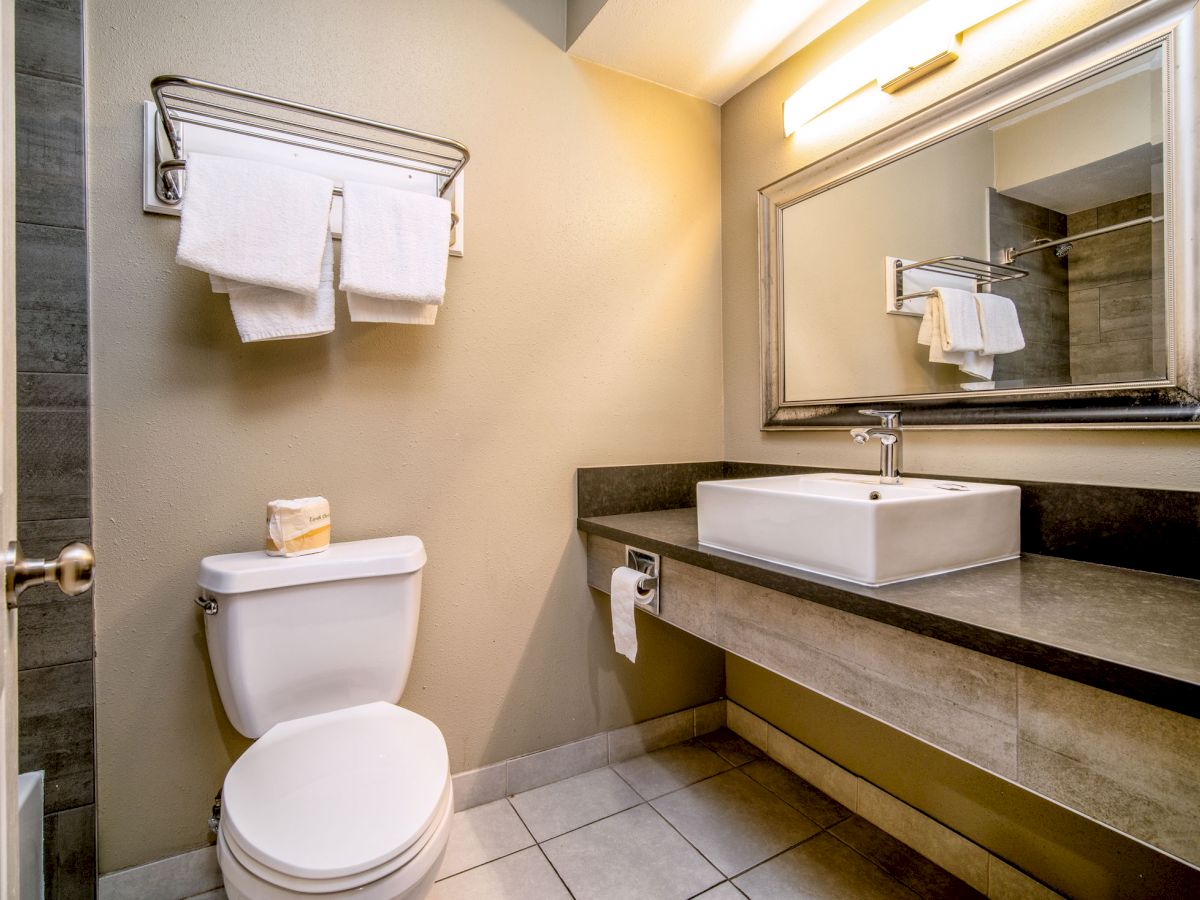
[(707, 48)]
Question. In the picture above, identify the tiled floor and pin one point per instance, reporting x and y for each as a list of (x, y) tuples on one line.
[(710, 818)]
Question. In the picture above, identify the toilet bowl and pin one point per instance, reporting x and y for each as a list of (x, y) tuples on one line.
[(343, 794), (350, 803)]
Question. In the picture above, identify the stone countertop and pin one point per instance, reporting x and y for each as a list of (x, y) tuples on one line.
[(1129, 632)]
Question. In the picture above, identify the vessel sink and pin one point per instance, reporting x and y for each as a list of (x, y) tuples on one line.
[(853, 527)]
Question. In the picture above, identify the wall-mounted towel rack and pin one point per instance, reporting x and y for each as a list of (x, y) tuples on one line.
[(188, 114), (977, 272)]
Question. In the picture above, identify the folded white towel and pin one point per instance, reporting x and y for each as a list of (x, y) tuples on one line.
[(951, 321), (1000, 325), (950, 328), (394, 253), (265, 313), (254, 222)]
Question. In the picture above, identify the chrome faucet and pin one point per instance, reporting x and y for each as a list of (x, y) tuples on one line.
[(891, 448)]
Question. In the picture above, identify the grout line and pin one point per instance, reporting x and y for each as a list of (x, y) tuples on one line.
[(670, 825), (885, 871), (557, 873)]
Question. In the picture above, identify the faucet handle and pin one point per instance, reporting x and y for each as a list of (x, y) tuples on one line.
[(890, 417)]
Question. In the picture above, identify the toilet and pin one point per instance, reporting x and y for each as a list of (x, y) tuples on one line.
[(343, 793)]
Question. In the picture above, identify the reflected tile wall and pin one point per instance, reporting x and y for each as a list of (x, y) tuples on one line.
[(1040, 298), (1116, 300)]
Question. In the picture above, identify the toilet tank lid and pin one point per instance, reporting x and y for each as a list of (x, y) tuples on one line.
[(240, 573)]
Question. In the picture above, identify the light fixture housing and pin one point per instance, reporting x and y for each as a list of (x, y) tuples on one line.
[(923, 41)]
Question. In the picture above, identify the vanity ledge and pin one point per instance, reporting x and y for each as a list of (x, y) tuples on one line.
[(1129, 632)]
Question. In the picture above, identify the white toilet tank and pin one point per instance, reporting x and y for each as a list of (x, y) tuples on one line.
[(297, 636)]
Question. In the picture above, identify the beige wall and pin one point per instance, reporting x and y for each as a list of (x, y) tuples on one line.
[(839, 341), (755, 153), (583, 327)]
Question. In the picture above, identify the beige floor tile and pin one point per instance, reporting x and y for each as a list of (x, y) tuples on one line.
[(723, 891), (795, 791), (481, 834), (734, 821), (632, 854), (735, 750), (669, 769), (566, 805), (822, 868), (522, 876)]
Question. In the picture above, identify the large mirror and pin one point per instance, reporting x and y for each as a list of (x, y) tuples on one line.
[(1016, 268)]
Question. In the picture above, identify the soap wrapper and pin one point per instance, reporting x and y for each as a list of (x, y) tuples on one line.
[(624, 594), (298, 527)]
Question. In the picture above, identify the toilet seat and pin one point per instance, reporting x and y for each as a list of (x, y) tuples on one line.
[(329, 802), (345, 882)]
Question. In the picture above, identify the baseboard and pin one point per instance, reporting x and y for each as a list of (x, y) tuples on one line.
[(173, 878), (523, 773)]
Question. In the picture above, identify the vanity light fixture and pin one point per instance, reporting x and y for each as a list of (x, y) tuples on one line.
[(921, 42)]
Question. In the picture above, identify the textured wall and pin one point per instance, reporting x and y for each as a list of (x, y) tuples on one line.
[(56, 695), (755, 153), (583, 327)]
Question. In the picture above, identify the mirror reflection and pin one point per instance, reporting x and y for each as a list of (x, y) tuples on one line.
[(898, 281)]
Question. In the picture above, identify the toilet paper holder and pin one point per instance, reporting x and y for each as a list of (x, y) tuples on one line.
[(649, 565)]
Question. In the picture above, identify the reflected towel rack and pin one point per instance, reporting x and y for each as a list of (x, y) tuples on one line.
[(312, 138), (981, 271), (1011, 253)]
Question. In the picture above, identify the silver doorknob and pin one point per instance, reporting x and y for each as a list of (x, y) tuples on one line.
[(71, 570)]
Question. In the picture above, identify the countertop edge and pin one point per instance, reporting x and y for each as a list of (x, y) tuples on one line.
[(1155, 688)]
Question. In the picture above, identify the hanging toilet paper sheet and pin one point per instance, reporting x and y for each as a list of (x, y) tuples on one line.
[(298, 527), (624, 594)]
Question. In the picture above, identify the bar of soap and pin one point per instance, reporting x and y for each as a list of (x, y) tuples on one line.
[(298, 527)]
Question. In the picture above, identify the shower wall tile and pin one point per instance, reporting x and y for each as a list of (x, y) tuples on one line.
[(56, 731), (53, 629), (70, 854), (53, 464), (52, 312), (49, 152), (53, 454), (48, 38), (1117, 303), (1040, 297)]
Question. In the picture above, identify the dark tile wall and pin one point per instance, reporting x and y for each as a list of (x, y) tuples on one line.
[(1040, 298), (56, 644), (1116, 296)]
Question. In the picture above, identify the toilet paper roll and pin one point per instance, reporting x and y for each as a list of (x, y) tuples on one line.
[(298, 527), (624, 593)]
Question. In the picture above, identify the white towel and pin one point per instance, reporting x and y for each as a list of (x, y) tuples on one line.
[(951, 321), (254, 222), (394, 253), (951, 330), (266, 313), (1000, 324)]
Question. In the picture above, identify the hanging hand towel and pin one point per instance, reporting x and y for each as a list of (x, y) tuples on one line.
[(1000, 325), (950, 328), (268, 314), (255, 223), (394, 253)]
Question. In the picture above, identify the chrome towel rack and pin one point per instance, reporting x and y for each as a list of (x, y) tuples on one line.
[(180, 99), (981, 271)]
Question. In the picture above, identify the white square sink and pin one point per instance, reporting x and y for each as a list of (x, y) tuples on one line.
[(853, 527)]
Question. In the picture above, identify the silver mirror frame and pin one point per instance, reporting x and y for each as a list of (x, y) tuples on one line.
[(1171, 403)]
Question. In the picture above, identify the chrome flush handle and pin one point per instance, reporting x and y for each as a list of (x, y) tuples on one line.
[(72, 570)]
